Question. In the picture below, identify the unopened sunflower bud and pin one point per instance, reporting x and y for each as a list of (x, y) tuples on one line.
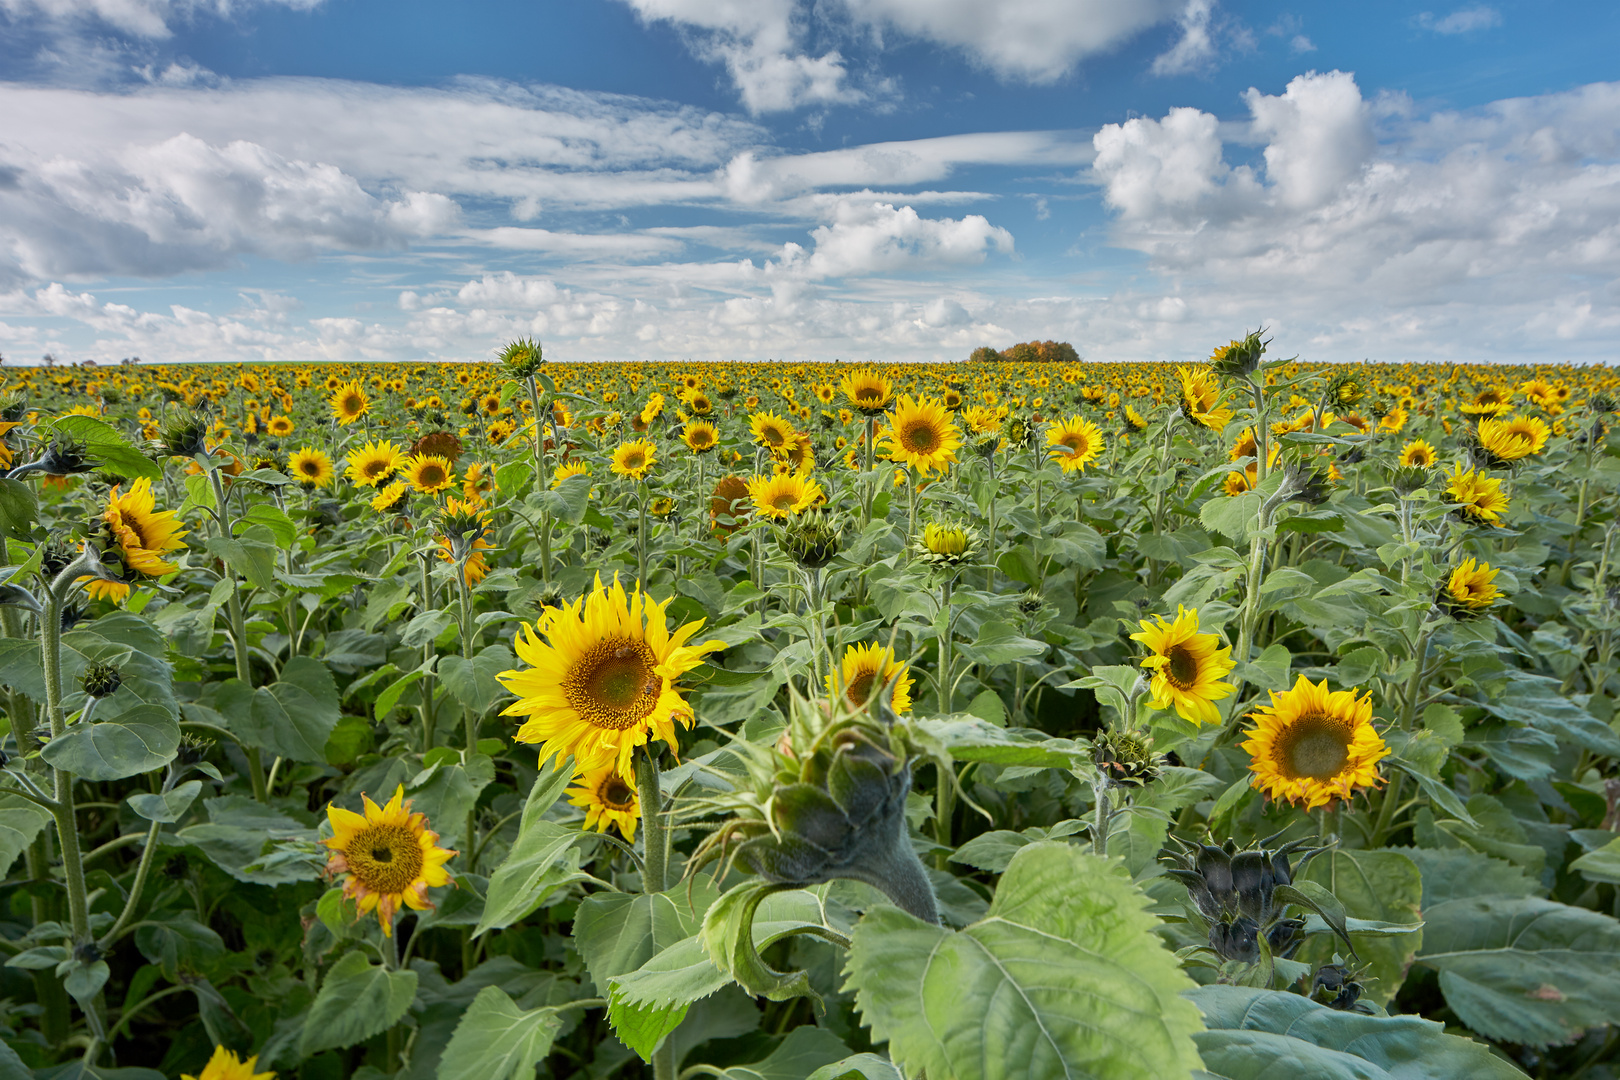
[(1305, 484), (813, 538), (1235, 891), (1408, 478), (946, 546), (1239, 359), (1031, 602), (185, 435), (521, 359), (101, 680), (65, 457), (1126, 758), (1337, 987)]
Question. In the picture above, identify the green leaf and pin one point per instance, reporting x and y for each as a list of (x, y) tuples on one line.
[(252, 557), (357, 1000), (1268, 1034), (283, 530), (292, 718), (542, 860), (803, 1053), (1378, 887), (389, 698), (449, 794), (115, 454), (141, 740), (1453, 873), (1234, 517), (616, 933), (473, 681), (496, 1040), (1064, 977), (1539, 702), (178, 941), (858, 1067), (1524, 970), (1602, 865), (19, 509), (20, 822), (968, 738), (167, 807), (728, 938), (999, 642), (992, 851)]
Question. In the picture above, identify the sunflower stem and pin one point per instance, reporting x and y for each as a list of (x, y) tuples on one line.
[(238, 624), (654, 833), (1099, 831), (67, 828)]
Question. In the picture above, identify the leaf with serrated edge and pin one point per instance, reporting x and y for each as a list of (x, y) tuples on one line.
[(357, 1000), (496, 1040)]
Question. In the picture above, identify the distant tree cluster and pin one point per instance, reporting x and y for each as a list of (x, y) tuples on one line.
[(1028, 352)]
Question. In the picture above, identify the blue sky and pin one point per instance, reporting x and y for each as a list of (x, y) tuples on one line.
[(743, 179)]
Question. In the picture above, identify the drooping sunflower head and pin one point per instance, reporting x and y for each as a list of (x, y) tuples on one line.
[(310, 467), (813, 539), (1469, 589), (700, 436), (1312, 746), (1512, 438), (1188, 668), (225, 1065), (865, 670), (374, 463), (602, 676), (1237, 359), (1418, 453), (349, 402), (869, 391), (388, 855), (921, 434), (429, 474), (781, 495), (1076, 443), (1480, 499), (634, 459), (607, 798)]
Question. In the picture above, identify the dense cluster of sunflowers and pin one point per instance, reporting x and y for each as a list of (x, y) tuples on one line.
[(1258, 713)]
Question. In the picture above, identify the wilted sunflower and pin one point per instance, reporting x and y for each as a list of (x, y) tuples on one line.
[(866, 668), (350, 403), (388, 855), (921, 434), (607, 799), (781, 495), (730, 499), (1188, 667), (1311, 746), (373, 463), (770, 430), (429, 474), (1076, 443), (1418, 453), (634, 459), (700, 436), (1470, 588), (1513, 438), (1479, 498), (225, 1065), (868, 391), (142, 532), (1201, 398), (603, 681), (310, 467)]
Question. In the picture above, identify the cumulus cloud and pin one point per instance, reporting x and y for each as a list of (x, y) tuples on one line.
[(142, 18)]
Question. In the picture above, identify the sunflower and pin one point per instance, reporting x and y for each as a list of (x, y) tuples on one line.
[(1134, 420), (1480, 499), (945, 545), (477, 568), (782, 495), (1188, 667), (373, 463), (603, 681), (700, 436), (349, 403), (429, 473), (770, 430), (225, 1065), (566, 470), (634, 459), (1311, 746), (142, 532), (921, 434), (868, 667), (1513, 438), (798, 455), (279, 426), (1470, 588), (868, 391), (312, 467), (1491, 401), (1076, 443), (699, 403), (607, 799), (1201, 398), (389, 497), (1418, 453), (729, 500), (388, 855)]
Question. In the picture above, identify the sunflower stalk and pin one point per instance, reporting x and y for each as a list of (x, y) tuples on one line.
[(238, 624), (539, 474), (655, 835)]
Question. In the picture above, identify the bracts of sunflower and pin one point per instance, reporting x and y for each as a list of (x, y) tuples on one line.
[(387, 856)]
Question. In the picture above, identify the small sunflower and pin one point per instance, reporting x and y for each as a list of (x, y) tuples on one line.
[(1134, 420), (1470, 588), (607, 799), (1201, 398), (311, 467), (279, 426), (602, 682), (1076, 443), (868, 391), (1480, 499), (429, 473), (921, 434), (389, 497), (1311, 746), (634, 459), (349, 403), (1418, 453), (142, 532), (700, 436), (567, 469), (1188, 667), (781, 495), (373, 463), (225, 1065), (388, 855), (866, 668), (1513, 438), (770, 430)]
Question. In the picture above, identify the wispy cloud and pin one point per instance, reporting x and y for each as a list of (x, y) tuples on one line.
[(1462, 21)]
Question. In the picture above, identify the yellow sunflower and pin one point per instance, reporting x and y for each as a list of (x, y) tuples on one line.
[(142, 532), (388, 855), (1201, 398), (1188, 667), (921, 434), (603, 681), (1479, 498), (1311, 746), (279, 426), (389, 497), (868, 391), (866, 668), (1076, 443), (349, 403), (781, 495), (607, 799), (225, 1065), (1134, 420), (310, 467), (770, 430), (373, 463), (1419, 453), (1470, 587), (1515, 437), (634, 459), (700, 436), (567, 469)]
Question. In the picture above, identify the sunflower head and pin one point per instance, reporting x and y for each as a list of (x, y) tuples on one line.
[(1239, 359), (1312, 746), (1201, 398), (1508, 439), (1076, 443), (310, 467), (946, 545), (608, 798), (921, 434), (634, 459), (1234, 891), (868, 391), (390, 496), (225, 1065), (1480, 499), (1189, 669), (185, 434), (444, 444), (782, 495), (700, 436), (101, 679), (1469, 590), (1418, 453), (1126, 757), (142, 533), (349, 402), (374, 463), (429, 474), (386, 855)]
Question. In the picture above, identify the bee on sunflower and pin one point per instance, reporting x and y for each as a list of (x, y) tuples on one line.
[(1076, 443), (387, 855), (1312, 746), (1188, 668), (634, 459), (311, 467), (349, 402)]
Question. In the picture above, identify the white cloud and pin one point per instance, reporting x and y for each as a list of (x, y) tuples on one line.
[(868, 238), (1299, 43), (1462, 21), (1195, 49), (142, 18), (1317, 135)]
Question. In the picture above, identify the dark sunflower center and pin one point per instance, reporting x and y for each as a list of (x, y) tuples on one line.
[(920, 438), (385, 858), (614, 685), (1315, 747), (374, 469), (351, 403), (860, 688), (633, 460), (1182, 670), (615, 794), (432, 475), (310, 468)]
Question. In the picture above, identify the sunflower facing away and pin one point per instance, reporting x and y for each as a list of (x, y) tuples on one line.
[(225, 1065), (388, 855), (781, 495), (700, 436), (870, 667), (1311, 746), (1188, 667), (1201, 398), (1480, 499), (349, 403), (429, 473), (868, 391), (1418, 453), (373, 463), (607, 799), (312, 468), (143, 533), (921, 434), (602, 682), (1076, 443), (1470, 588), (634, 459), (1514, 437)]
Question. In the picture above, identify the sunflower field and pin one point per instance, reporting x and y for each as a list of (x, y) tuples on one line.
[(1005, 719)]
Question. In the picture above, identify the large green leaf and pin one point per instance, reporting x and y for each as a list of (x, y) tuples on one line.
[(541, 861), (1522, 969), (803, 1053), (1452, 873), (142, 739), (496, 1040), (1268, 1035), (1064, 977), (1602, 865), (1379, 886), (968, 738), (358, 999), (20, 822), (111, 451), (473, 681), (616, 933), (292, 717)]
